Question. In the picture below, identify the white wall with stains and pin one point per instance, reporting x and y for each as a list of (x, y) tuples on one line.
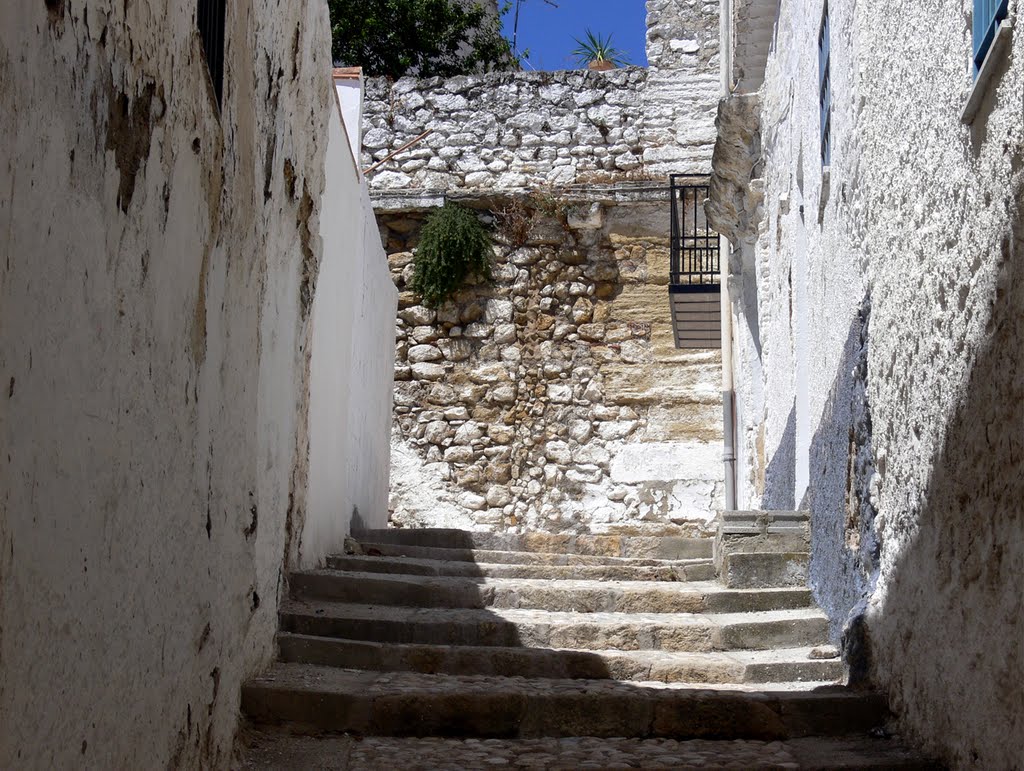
[(157, 278)]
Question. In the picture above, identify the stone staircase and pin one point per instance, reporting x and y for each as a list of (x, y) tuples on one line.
[(450, 649)]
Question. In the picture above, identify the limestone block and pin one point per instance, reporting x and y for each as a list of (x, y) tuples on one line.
[(504, 334), (503, 394), (581, 430), (664, 462), (558, 452), (500, 433), (424, 353), (472, 501), (418, 315), (459, 454), (615, 429), (426, 371), (560, 394)]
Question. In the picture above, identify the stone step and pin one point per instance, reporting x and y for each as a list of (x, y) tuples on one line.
[(683, 570), (411, 704), (276, 750), (654, 547), (581, 596), (742, 570), (492, 556), (546, 629), (793, 665)]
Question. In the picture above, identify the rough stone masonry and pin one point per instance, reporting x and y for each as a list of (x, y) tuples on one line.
[(553, 398)]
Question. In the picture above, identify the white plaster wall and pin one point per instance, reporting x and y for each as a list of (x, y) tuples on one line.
[(158, 263), (352, 367), (906, 268), (350, 96)]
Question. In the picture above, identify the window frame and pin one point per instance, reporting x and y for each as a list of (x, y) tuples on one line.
[(985, 21)]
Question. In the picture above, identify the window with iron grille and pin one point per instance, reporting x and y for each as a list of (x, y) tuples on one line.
[(210, 20), (987, 16), (825, 88)]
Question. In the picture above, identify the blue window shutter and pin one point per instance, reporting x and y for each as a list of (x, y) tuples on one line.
[(987, 16)]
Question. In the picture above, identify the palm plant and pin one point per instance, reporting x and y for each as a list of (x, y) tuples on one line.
[(597, 52)]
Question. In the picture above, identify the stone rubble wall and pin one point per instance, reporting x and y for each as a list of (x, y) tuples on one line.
[(521, 130), (879, 366), (554, 399)]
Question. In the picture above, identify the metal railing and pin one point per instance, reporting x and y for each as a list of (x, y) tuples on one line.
[(694, 245)]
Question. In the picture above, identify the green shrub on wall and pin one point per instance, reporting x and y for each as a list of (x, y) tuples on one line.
[(454, 245)]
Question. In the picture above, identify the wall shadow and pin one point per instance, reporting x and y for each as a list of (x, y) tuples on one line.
[(948, 638), (780, 473), (844, 546)]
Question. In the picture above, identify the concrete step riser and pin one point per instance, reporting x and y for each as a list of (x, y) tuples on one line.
[(697, 571), (626, 712), (698, 637), (457, 593), (654, 547), (529, 662), (762, 570)]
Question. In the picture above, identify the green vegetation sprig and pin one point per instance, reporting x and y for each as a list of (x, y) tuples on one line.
[(597, 49), (454, 245)]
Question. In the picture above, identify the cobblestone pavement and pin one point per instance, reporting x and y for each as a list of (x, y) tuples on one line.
[(344, 753)]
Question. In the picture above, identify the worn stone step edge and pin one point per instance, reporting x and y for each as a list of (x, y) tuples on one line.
[(581, 596), (496, 556), (266, 750), (657, 547), (404, 704), (683, 570), (790, 664), (758, 570), (544, 629)]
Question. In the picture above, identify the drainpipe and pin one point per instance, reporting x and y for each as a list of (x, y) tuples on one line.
[(728, 389)]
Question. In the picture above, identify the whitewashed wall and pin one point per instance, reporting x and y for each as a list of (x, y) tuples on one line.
[(159, 261), (881, 362), (352, 368)]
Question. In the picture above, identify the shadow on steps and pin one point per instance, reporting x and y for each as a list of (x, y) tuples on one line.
[(458, 634)]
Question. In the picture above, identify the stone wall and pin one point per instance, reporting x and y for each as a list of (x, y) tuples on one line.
[(879, 365), (529, 129), (553, 398), (160, 262)]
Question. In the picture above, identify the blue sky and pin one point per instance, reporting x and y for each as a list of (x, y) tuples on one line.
[(548, 32)]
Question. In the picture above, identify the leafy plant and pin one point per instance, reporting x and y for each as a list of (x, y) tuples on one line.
[(454, 245), (597, 48), (418, 37)]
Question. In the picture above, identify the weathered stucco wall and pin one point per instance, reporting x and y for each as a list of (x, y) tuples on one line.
[(887, 327), (159, 265), (554, 398)]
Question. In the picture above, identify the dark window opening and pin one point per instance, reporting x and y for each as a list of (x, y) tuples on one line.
[(210, 21), (825, 87)]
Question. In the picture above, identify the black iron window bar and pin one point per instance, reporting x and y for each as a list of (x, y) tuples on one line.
[(694, 245)]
